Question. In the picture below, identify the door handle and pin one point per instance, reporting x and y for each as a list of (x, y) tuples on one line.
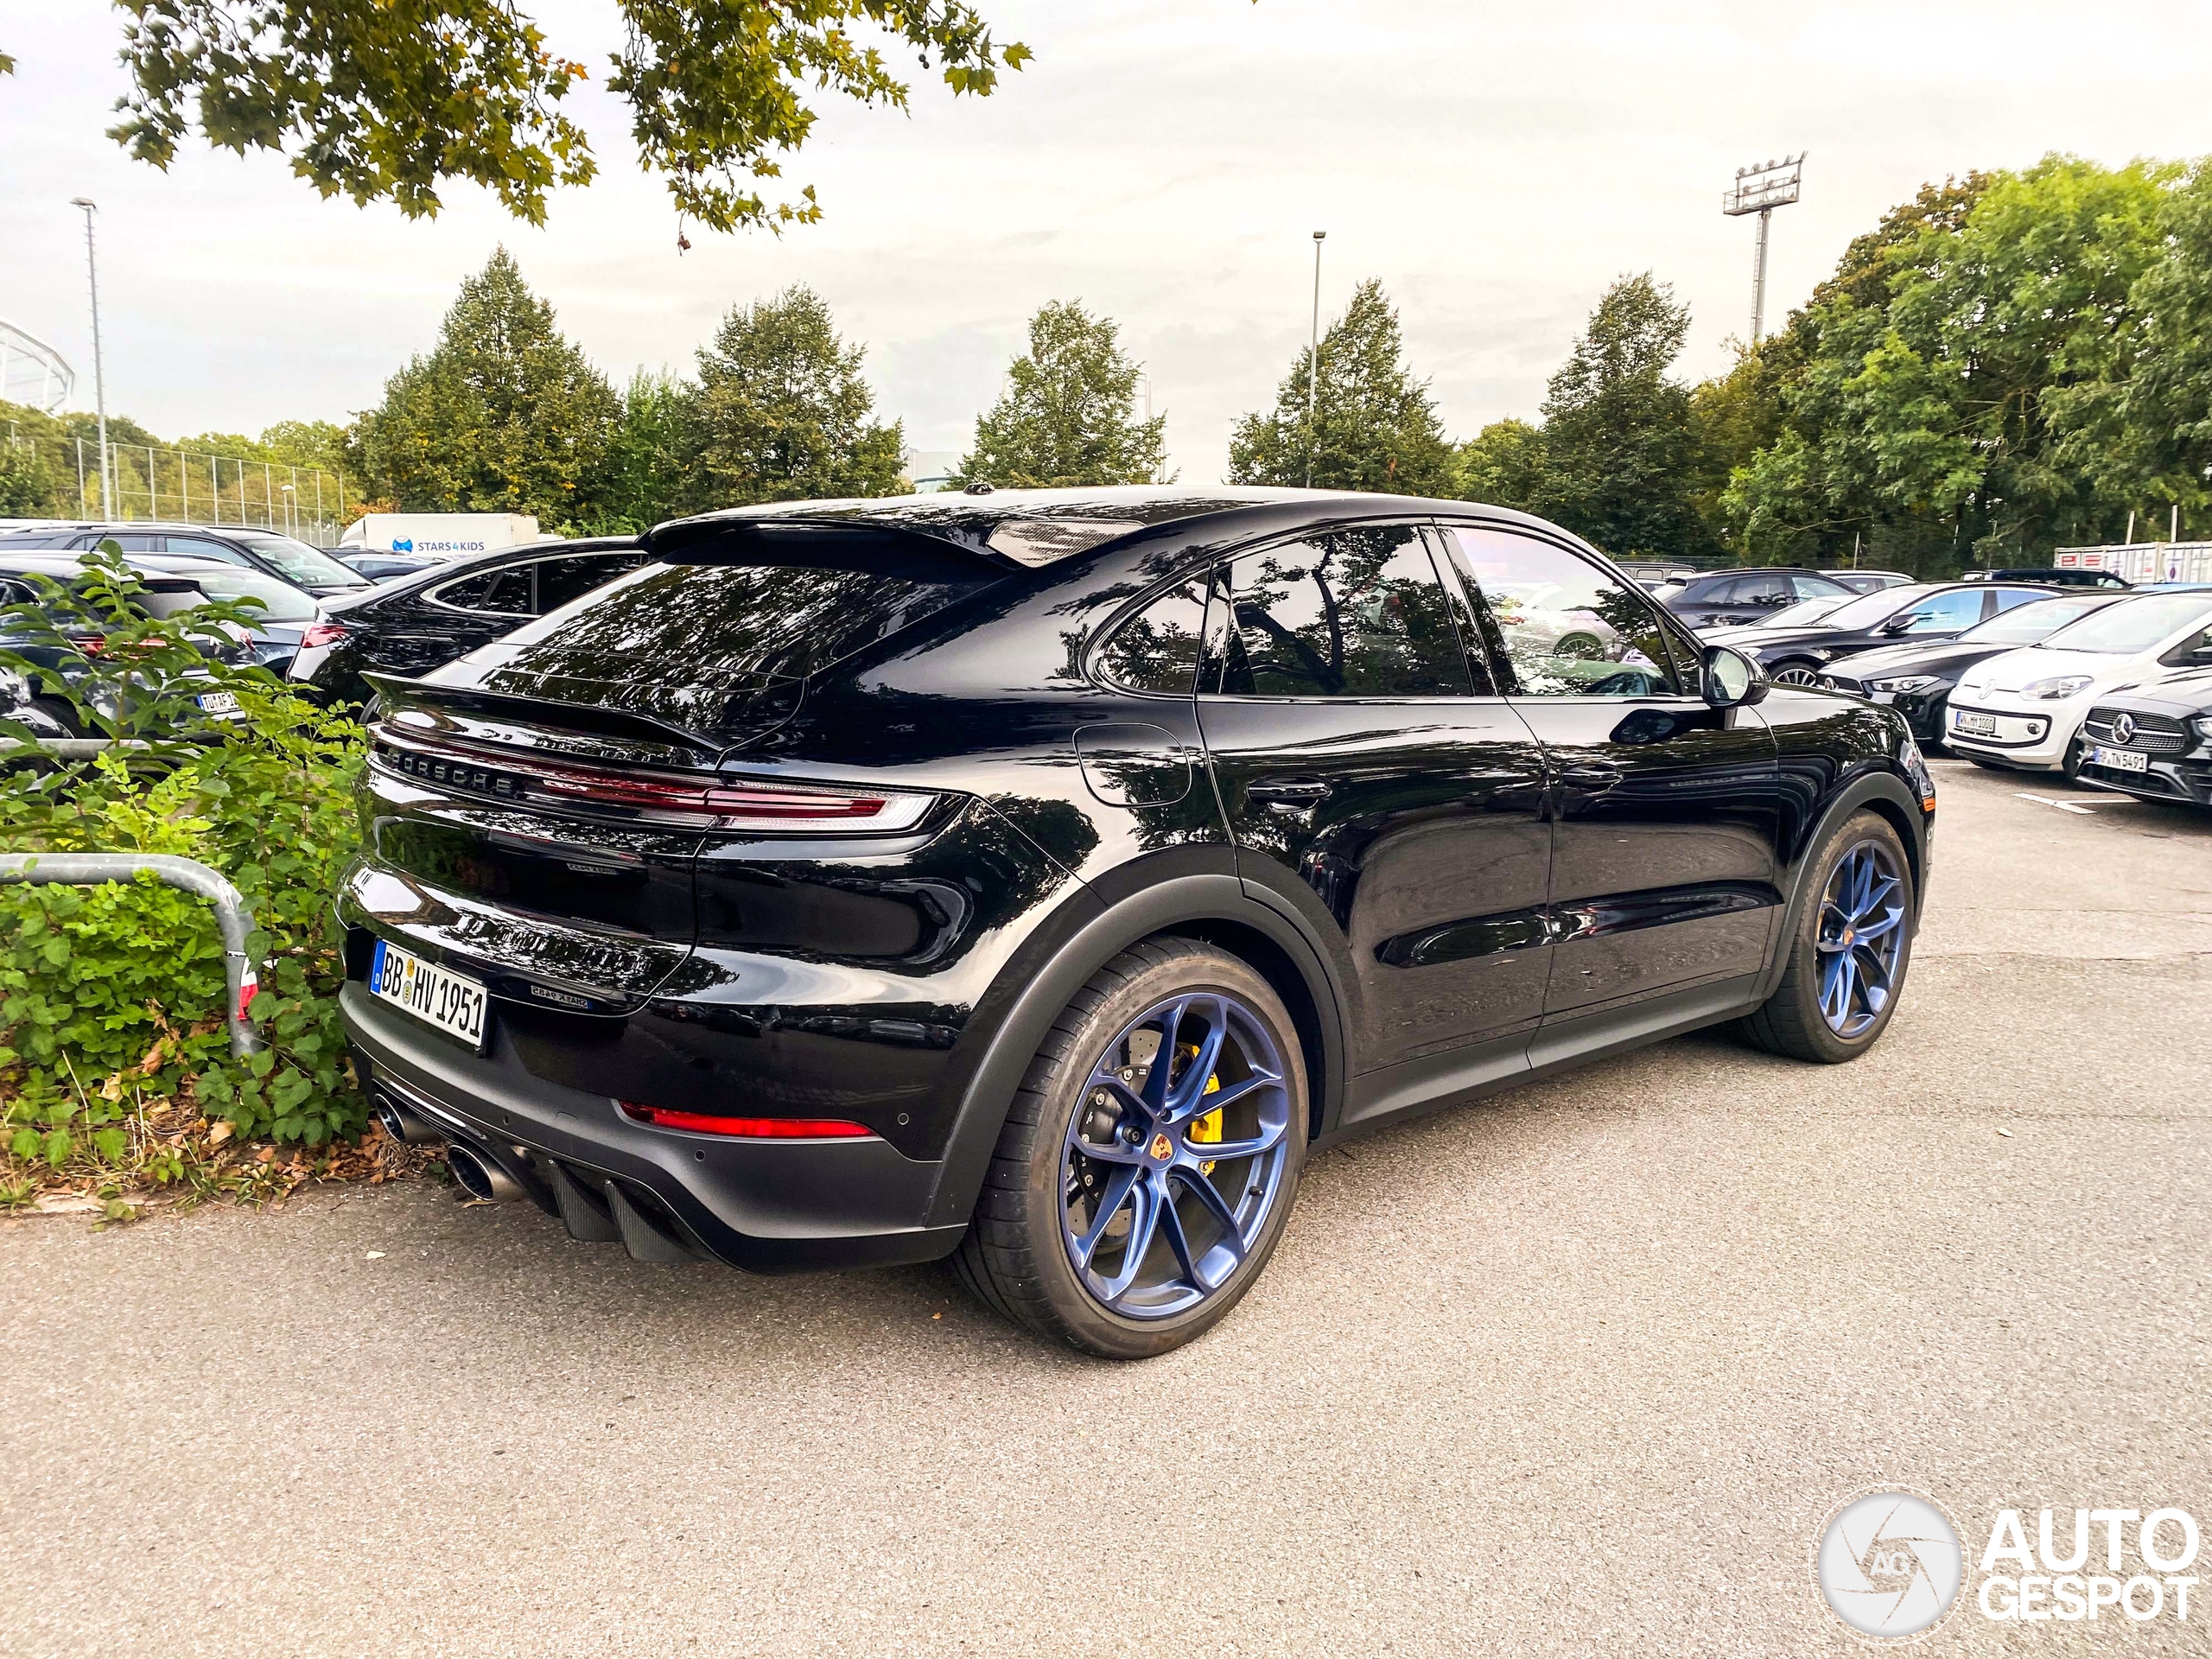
[(1591, 777), (1299, 792)]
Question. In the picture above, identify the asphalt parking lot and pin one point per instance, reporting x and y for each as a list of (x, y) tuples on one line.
[(1578, 1370)]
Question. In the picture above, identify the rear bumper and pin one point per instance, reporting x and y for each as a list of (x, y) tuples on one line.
[(766, 1206)]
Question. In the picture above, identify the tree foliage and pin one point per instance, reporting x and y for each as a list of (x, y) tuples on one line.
[(387, 100), (1620, 443), (504, 415), (1374, 425), (29, 488), (1068, 414), (1949, 366), (781, 413)]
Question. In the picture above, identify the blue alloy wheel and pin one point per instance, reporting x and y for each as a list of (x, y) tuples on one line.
[(1862, 932), (1175, 1155)]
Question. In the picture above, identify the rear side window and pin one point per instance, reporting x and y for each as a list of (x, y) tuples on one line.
[(1158, 649), (572, 576), (1358, 613), (504, 593)]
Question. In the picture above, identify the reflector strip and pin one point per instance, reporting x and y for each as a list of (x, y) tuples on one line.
[(747, 1129)]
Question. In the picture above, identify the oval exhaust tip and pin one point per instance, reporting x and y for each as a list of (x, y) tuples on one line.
[(478, 1176)]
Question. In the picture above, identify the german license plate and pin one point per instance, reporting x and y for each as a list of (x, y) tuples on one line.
[(2120, 759), (218, 702), (1886, 697), (452, 1002), (1974, 724)]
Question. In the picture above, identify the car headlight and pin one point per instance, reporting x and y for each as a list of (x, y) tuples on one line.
[(2202, 727), (2058, 686), (1908, 683)]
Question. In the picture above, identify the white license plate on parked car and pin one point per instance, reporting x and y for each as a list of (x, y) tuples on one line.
[(218, 702), (1974, 724), (452, 1002), (2120, 759)]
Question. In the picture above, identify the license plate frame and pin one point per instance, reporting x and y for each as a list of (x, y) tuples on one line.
[(218, 702), (440, 998), (1967, 723), (2104, 754)]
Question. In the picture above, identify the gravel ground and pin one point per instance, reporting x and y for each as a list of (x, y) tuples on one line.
[(1578, 1370)]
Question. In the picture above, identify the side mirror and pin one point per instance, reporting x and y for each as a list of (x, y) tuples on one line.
[(1731, 678), (1899, 624)]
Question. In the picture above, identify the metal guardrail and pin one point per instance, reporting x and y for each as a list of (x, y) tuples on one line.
[(233, 918)]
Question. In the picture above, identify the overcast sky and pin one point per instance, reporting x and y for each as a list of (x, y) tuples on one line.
[(1164, 161)]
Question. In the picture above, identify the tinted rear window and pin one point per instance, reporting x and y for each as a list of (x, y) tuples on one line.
[(795, 603)]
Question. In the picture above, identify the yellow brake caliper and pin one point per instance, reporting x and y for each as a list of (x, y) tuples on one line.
[(1205, 1129)]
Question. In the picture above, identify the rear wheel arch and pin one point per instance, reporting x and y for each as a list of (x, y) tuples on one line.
[(1209, 908)]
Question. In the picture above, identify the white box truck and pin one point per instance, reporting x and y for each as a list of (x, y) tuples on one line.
[(438, 535)]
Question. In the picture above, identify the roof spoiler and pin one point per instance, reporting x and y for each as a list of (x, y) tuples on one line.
[(601, 721)]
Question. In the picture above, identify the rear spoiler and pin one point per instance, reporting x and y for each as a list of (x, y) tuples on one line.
[(402, 693)]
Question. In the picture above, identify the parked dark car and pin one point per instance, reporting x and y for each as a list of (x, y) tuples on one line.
[(1037, 878), (1868, 581), (1922, 612), (1729, 598), (80, 665), (1916, 679), (414, 623), (2154, 741), (2052, 576), (309, 569)]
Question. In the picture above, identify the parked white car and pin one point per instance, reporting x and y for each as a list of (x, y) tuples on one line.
[(2025, 708)]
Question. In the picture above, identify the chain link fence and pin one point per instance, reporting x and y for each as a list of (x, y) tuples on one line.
[(179, 486)]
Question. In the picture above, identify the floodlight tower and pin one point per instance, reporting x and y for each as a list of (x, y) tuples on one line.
[(1760, 190)]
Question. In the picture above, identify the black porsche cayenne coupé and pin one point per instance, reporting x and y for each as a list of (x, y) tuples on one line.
[(1037, 878)]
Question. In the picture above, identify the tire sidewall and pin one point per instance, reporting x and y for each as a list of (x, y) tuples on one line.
[(1860, 826), (1082, 1320)]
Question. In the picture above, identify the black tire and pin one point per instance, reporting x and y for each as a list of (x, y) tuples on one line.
[(1790, 1021), (61, 713), (2077, 751), (1014, 1260)]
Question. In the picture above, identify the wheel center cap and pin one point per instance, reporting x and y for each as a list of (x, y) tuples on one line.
[(1161, 1149), (1850, 935)]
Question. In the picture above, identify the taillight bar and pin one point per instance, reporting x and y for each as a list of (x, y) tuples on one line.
[(658, 797), (747, 1129), (322, 633)]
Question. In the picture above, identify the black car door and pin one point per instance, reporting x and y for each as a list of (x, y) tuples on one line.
[(1371, 779), (1663, 809)]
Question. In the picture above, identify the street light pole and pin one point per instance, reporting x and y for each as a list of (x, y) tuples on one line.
[(99, 369), (1314, 356)]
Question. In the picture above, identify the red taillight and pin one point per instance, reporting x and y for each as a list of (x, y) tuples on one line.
[(747, 1129), (770, 808), (322, 633), (91, 643)]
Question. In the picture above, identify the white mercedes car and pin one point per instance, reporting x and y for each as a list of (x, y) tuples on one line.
[(2025, 708)]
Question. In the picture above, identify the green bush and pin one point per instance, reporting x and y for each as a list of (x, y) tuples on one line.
[(109, 995)]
